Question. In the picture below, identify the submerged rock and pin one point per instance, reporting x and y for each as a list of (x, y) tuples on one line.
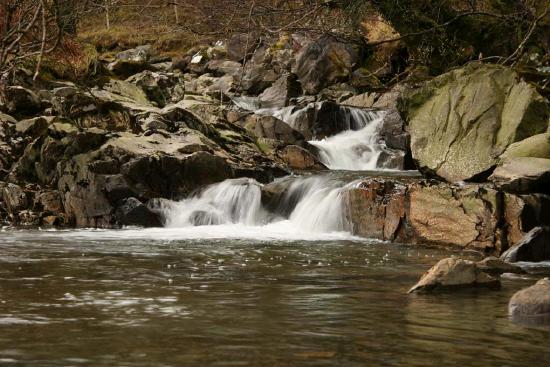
[(454, 273), (535, 246), (531, 306)]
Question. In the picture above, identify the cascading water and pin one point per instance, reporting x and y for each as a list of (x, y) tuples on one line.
[(354, 150), (307, 205), (358, 147)]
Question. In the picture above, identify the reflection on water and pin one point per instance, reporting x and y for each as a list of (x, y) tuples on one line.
[(108, 298)]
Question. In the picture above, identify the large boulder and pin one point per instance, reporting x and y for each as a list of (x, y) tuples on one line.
[(463, 121), (454, 273), (531, 306), (322, 63), (535, 246), (133, 212), (272, 128)]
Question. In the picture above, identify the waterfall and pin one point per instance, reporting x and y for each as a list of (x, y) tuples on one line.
[(311, 205), (354, 150), (357, 147)]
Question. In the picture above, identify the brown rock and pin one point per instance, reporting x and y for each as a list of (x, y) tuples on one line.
[(531, 306), (453, 273), (299, 158)]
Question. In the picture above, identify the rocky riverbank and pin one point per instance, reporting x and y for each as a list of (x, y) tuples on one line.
[(151, 128)]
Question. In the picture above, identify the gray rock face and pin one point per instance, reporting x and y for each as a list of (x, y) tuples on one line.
[(280, 93), (273, 128), (133, 212), (535, 246), (138, 54), (322, 63), (531, 306), (462, 121), (453, 273)]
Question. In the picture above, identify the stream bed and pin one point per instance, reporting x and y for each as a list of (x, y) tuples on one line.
[(201, 297)]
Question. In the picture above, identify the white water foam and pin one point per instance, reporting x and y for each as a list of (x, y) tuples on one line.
[(354, 150), (234, 209)]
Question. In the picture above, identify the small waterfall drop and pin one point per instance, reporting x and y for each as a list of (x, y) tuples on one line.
[(315, 205), (354, 150)]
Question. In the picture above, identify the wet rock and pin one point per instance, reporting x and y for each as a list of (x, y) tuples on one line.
[(460, 125), (495, 266), (21, 101), (376, 209), (272, 128), (454, 273), (531, 306), (299, 158), (535, 246), (322, 63), (49, 201), (133, 212), (28, 218)]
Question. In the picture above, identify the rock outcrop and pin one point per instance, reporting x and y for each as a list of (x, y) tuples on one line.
[(463, 121), (417, 211)]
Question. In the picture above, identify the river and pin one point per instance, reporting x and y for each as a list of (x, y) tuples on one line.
[(141, 297)]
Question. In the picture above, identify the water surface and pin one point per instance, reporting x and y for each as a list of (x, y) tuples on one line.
[(147, 298)]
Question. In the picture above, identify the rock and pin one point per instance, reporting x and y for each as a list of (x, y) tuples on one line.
[(127, 68), (133, 212), (375, 29), (280, 93), (322, 63), (256, 79), (28, 218), (241, 45), (272, 128), (15, 198), (211, 86), (49, 201), (453, 273), (21, 101), (375, 208), (466, 217), (535, 246), (523, 175), (138, 54), (536, 146), (394, 133), (460, 125), (495, 266), (337, 93), (476, 217), (531, 306), (220, 68), (161, 88), (34, 127), (299, 158)]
